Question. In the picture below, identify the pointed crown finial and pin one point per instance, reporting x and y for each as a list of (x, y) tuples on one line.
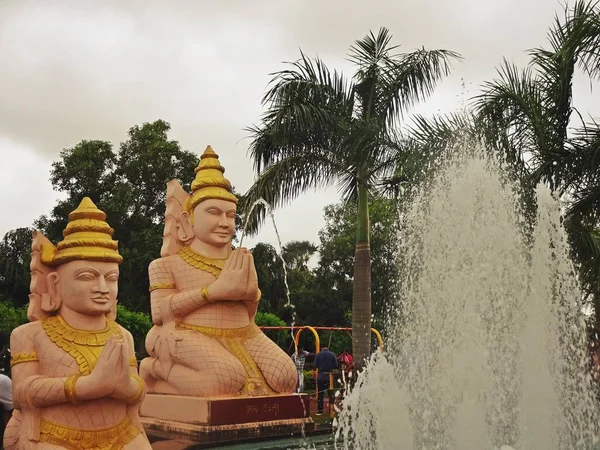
[(86, 237), (209, 181)]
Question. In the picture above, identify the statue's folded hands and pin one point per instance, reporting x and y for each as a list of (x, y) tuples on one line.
[(74, 372), (204, 298)]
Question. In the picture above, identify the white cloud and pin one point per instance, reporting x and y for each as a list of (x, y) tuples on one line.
[(80, 69)]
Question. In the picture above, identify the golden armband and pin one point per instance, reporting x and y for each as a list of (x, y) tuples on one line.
[(18, 358), (140, 391), (154, 287), (70, 390), (204, 294)]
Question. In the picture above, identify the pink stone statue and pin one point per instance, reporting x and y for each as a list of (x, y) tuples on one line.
[(204, 298), (75, 382)]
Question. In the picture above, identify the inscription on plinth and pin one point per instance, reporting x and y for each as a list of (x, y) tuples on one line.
[(258, 409), (225, 411)]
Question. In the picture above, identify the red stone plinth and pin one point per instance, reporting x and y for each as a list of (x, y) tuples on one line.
[(176, 422), (225, 411)]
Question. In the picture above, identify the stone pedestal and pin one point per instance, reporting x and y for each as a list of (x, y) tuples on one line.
[(203, 420)]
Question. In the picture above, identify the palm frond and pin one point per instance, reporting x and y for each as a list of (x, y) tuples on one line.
[(308, 109), (285, 180), (580, 160), (585, 246), (511, 109), (411, 165), (409, 78), (371, 50), (435, 132), (578, 33)]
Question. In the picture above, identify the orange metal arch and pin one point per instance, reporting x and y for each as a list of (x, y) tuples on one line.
[(315, 334), (318, 340), (379, 338)]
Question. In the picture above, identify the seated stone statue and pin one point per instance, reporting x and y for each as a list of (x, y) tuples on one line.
[(75, 382), (204, 298)]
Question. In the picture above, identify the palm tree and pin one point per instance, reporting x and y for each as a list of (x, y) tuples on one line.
[(526, 118), (321, 129), (530, 115)]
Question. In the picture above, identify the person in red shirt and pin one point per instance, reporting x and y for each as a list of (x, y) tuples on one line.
[(346, 362)]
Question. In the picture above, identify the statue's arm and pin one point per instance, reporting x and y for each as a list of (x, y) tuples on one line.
[(30, 387), (167, 300), (185, 302), (162, 288), (33, 389)]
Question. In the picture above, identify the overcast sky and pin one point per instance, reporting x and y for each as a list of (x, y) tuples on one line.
[(73, 70)]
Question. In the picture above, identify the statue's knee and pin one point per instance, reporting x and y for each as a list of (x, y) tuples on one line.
[(146, 369), (281, 377)]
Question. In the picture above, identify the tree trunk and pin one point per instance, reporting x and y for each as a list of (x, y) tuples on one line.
[(361, 295), (596, 301)]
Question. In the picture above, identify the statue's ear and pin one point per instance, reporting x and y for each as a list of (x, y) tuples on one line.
[(185, 231), (51, 298)]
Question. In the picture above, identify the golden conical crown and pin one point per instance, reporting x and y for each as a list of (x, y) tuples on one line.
[(209, 181), (86, 237)]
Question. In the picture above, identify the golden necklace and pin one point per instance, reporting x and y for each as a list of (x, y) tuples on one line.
[(85, 346), (194, 259)]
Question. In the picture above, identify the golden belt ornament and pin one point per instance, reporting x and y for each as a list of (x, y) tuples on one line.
[(111, 438), (232, 339)]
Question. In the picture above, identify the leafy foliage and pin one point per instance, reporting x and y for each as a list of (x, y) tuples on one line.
[(323, 295), (265, 319), (15, 256), (138, 324), (10, 318), (337, 258), (130, 186), (528, 118), (323, 129)]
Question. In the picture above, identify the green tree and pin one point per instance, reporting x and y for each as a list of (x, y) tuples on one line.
[(280, 337), (138, 324), (15, 256), (296, 254), (528, 119), (320, 129), (337, 257), (269, 270), (130, 186), (10, 318)]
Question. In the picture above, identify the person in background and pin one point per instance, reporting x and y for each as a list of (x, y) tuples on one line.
[(325, 363), (6, 403), (346, 362), (299, 359)]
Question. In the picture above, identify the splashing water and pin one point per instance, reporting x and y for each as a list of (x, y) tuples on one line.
[(289, 303), (264, 203), (487, 347)]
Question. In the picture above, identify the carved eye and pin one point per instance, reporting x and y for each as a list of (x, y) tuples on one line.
[(112, 277), (85, 276)]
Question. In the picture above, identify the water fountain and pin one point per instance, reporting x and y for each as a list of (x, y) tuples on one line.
[(487, 348)]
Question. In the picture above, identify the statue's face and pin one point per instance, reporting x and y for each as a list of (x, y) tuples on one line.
[(88, 287), (214, 222)]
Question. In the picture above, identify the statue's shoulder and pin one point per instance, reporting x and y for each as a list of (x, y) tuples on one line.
[(27, 335), (165, 261), (29, 328), (161, 270)]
